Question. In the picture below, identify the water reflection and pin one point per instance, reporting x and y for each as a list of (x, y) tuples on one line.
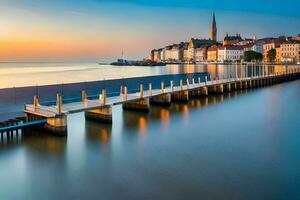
[(37, 141), (98, 132), (135, 121), (22, 74)]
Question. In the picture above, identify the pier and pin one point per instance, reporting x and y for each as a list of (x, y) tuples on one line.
[(100, 109)]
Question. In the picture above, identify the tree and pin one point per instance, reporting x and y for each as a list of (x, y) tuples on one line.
[(271, 55), (252, 55), (259, 56)]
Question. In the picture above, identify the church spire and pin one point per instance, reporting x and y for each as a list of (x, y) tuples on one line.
[(213, 29)]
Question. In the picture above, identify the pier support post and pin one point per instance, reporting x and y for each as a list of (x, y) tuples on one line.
[(216, 89), (239, 85), (83, 96), (245, 85), (102, 115), (227, 87), (234, 85), (249, 84), (204, 91), (141, 105), (57, 125), (163, 100), (181, 96)]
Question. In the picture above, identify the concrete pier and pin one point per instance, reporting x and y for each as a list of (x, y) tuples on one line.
[(220, 89), (54, 118), (57, 125), (102, 115), (216, 89), (239, 85), (233, 86), (163, 100), (227, 87), (141, 105), (245, 85), (181, 96), (204, 91)]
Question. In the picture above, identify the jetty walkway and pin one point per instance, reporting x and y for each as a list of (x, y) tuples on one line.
[(54, 118)]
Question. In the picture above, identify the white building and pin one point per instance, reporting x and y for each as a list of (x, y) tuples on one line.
[(200, 54), (230, 53)]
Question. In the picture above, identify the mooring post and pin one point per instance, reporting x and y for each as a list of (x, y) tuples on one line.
[(187, 83), (59, 103), (125, 92), (141, 90), (83, 96), (150, 88), (162, 84), (103, 97), (180, 83), (193, 82), (172, 85), (36, 101)]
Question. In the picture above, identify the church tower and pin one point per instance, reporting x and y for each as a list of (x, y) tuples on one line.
[(213, 29)]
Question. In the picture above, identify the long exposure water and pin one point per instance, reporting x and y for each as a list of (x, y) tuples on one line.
[(243, 145), (36, 74)]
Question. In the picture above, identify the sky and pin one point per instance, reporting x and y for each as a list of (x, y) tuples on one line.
[(99, 30)]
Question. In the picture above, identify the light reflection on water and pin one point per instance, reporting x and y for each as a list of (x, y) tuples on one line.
[(242, 145), (37, 74)]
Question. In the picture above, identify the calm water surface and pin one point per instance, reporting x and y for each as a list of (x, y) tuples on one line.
[(238, 146), (36, 74)]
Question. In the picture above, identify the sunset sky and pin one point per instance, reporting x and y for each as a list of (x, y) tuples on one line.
[(98, 30)]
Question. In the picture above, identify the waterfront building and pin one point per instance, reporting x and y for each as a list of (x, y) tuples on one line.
[(278, 54), (186, 55), (213, 29), (163, 54), (232, 40), (296, 38), (256, 46), (230, 53), (247, 41), (151, 55), (195, 47), (201, 53), (290, 51), (212, 53), (157, 55), (267, 46), (174, 53)]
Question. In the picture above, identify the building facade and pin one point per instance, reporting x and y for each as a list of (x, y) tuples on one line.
[(290, 51), (232, 40), (212, 53), (230, 53)]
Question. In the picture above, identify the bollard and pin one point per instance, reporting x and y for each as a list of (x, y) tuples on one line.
[(59, 103), (103, 97), (199, 80), (181, 87), (205, 80), (193, 82), (121, 91), (141, 90), (172, 86), (150, 88), (187, 83), (125, 92), (36, 101), (162, 87), (83, 96)]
